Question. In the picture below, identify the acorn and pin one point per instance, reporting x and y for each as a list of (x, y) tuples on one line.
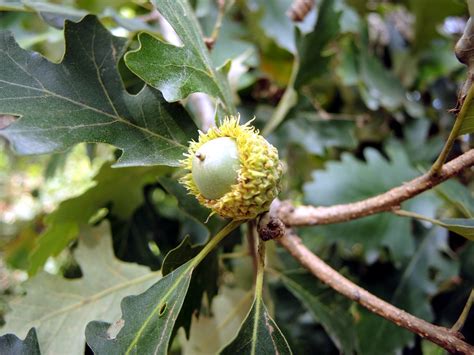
[(233, 170)]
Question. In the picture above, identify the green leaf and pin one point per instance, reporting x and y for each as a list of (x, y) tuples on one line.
[(11, 5), (11, 345), (135, 237), (461, 226), (275, 23), (213, 330), (82, 99), (179, 71), (315, 136), (378, 86), (320, 304), (258, 334), (376, 175), (60, 308), (457, 195), (53, 14), (62, 225), (204, 279), (467, 124), (312, 61), (147, 319), (429, 14), (191, 205), (412, 291)]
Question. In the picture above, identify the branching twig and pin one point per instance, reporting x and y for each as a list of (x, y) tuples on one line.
[(449, 340), (310, 215), (210, 41)]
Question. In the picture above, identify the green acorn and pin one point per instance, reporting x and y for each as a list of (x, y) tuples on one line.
[(233, 170)]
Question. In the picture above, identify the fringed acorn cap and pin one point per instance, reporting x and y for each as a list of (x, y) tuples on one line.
[(252, 176)]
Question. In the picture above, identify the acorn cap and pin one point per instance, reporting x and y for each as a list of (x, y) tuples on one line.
[(258, 176)]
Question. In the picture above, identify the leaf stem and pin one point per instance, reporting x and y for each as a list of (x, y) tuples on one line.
[(405, 213), (214, 241), (465, 312), (260, 269), (438, 164)]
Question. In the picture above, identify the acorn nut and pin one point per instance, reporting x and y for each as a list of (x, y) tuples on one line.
[(233, 170)]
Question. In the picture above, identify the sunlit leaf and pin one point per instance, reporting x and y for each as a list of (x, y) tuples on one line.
[(62, 225), (147, 319), (52, 300)]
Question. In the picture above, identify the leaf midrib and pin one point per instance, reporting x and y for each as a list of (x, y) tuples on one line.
[(163, 300), (80, 104)]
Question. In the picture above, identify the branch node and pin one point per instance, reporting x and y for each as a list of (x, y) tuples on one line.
[(270, 227)]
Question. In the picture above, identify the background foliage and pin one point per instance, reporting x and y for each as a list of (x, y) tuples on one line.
[(358, 98)]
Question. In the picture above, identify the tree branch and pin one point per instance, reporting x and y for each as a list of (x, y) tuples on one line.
[(444, 337), (310, 215)]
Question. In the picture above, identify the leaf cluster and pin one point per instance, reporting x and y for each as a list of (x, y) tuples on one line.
[(357, 99)]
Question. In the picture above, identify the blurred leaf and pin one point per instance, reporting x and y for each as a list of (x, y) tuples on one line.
[(429, 348), (210, 332), (429, 14), (53, 14), (320, 304), (82, 99), (147, 319), (230, 43), (421, 279), (258, 334), (335, 185), (457, 195), (317, 135), (60, 308), (378, 85), (467, 124), (11, 5), (179, 71), (16, 251), (420, 147), (312, 61), (461, 226), (62, 225), (12, 345), (275, 23)]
